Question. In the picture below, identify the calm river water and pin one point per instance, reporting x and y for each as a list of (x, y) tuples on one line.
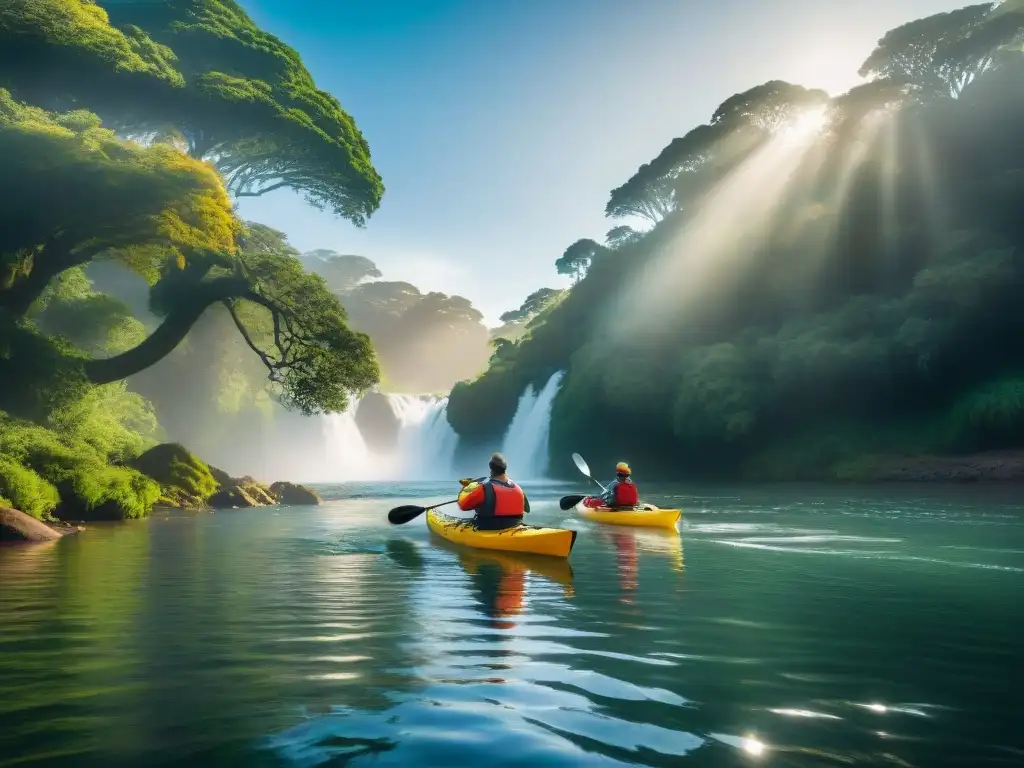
[(783, 627)]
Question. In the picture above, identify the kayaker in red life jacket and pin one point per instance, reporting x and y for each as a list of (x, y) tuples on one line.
[(622, 493), (498, 502)]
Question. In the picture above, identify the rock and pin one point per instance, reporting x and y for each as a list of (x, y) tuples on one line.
[(235, 496), (185, 480), (377, 422), (298, 495), (256, 490), (223, 478), (17, 526)]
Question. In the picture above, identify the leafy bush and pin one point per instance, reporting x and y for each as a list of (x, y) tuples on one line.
[(25, 490)]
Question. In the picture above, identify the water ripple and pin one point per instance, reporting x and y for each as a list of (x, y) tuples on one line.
[(308, 637)]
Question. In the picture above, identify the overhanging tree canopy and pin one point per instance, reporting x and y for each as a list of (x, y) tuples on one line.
[(251, 107), (72, 191), (59, 53)]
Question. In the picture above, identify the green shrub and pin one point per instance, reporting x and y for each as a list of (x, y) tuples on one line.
[(25, 490), (988, 416), (100, 492), (89, 487)]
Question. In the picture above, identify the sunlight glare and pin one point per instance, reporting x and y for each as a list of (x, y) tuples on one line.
[(752, 746), (808, 123)]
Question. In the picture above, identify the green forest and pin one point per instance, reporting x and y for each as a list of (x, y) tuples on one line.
[(805, 285), (797, 289), (127, 131)]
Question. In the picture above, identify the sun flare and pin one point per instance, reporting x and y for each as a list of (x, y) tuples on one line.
[(808, 123)]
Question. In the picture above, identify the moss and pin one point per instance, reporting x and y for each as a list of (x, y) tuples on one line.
[(185, 480), (23, 489), (88, 486), (107, 493)]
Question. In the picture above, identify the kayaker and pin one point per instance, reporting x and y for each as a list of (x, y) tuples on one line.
[(498, 502), (622, 493)]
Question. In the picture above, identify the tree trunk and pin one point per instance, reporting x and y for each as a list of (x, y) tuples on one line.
[(169, 335)]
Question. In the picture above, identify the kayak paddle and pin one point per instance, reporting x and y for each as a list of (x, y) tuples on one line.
[(404, 514), (568, 502), (581, 465)]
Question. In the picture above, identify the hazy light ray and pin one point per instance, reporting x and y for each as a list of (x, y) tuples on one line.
[(731, 220), (889, 222), (935, 212)]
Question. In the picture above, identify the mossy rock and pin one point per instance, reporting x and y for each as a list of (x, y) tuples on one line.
[(235, 496), (224, 480), (258, 491), (186, 480), (24, 490), (293, 494)]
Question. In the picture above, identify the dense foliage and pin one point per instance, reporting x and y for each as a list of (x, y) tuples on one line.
[(112, 251), (201, 75), (821, 280)]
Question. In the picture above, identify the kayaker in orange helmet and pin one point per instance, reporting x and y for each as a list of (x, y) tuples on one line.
[(498, 502), (622, 493)]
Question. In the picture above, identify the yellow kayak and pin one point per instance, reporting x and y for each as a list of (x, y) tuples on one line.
[(648, 517), (554, 542)]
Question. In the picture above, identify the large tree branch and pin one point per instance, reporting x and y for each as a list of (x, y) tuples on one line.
[(169, 335), (257, 193)]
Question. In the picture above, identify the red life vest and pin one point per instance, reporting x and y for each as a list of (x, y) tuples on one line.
[(503, 500), (626, 494)]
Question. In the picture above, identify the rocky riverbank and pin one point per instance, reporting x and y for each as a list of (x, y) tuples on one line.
[(185, 482), (17, 526), (991, 466)]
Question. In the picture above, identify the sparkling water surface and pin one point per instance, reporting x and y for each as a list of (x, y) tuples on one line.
[(782, 626)]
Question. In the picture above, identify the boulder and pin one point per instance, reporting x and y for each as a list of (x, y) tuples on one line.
[(17, 526), (234, 496), (259, 492), (185, 480), (377, 423), (298, 495)]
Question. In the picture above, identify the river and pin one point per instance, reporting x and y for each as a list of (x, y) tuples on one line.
[(783, 627)]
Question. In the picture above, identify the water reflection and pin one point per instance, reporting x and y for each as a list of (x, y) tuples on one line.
[(187, 640), (630, 544)]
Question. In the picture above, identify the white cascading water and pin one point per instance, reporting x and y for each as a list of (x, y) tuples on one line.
[(425, 450), (526, 442)]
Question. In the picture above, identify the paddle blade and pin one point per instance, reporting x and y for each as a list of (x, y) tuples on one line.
[(581, 465), (404, 514), (568, 502)]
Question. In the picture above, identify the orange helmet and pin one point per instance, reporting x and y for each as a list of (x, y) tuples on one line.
[(622, 468)]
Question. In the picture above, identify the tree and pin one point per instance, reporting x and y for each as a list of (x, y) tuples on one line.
[(259, 238), (768, 107), (651, 193), (532, 305), (616, 237), (341, 272), (168, 217), (151, 205), (59, 52), (251, 107), (578, 257), (202, 76), (941, 54)]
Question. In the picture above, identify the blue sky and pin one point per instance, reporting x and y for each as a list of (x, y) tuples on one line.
[(500, 126)]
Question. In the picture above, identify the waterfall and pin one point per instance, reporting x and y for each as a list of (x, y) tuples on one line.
[(526, 442), (425, 447)]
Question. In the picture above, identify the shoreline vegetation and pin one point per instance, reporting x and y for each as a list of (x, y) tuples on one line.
[(806, 287)]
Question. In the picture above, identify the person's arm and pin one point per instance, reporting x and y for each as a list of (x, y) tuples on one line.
[(526, 503), (471, 497), (609, 496)]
